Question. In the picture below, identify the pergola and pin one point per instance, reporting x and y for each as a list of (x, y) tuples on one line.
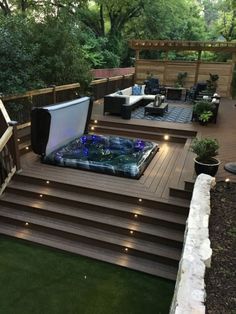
[(172, 45)]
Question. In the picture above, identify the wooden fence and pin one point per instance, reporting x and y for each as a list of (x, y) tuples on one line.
[(19, 106), (9, 155), (197, 71)]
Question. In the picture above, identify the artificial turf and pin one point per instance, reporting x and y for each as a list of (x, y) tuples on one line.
[(39, 280)]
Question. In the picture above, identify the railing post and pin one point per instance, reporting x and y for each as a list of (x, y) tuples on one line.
[(107, 86), (15, 148), (54, 93)]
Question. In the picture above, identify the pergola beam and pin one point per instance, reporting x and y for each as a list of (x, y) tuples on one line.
[(168, 45)]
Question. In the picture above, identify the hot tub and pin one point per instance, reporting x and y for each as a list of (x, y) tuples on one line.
[(59, 135)]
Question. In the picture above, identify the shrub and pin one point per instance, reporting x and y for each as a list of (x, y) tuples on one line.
[(205, 148), (203, 106)]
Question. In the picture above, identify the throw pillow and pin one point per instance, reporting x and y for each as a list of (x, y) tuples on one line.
[(136, 90)]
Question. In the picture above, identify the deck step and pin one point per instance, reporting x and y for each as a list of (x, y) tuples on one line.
[(24, 146), (93, 235), (101, 129), (118, 258), (140, 127), (189, 185), (54, 193), (87, 193), (181, 193), (91, 217)]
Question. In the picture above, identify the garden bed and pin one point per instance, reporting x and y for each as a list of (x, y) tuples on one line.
[(220, 278)]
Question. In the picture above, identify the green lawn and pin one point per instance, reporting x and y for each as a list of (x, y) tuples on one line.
[(36, 279)]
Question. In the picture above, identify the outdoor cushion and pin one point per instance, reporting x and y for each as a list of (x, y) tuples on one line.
[(137, 90)]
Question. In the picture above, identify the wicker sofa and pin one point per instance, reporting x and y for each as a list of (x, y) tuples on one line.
[(123, 102)]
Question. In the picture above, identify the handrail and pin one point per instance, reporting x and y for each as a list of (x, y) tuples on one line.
[(49, 90), (4, 112), (42, 91), (6, 137), (9, 153)]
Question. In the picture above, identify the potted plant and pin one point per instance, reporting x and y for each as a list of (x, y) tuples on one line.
[(205, 117), (203, 111), (181, 77), (206, 150), (212, 83)]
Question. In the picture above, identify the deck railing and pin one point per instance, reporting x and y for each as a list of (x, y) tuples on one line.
[(9, 154), (19, 106)]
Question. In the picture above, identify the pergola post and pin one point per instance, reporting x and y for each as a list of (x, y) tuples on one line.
[(165, 66), (136, 59), (197, 66)]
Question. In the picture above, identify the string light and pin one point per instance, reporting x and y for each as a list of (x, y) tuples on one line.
[(95, 121), (131, 232), (92, 128), (26, 224), (41, 195), (140, 200), (47, 182), (126, 249), (27, 148), (166, 137), (135, 216)]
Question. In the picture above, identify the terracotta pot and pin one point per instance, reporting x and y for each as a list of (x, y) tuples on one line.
[(210, 168)]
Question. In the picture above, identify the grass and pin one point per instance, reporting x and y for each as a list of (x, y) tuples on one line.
[(39, 280)]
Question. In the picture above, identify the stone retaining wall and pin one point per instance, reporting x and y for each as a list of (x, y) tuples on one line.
[(189, 295)]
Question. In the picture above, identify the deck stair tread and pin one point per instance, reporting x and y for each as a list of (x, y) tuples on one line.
[(106, 255), (117, 205), (134, 125), (92, 216), (134, 191), (89, 232), (24, 144), (141, 133), (179, 192)]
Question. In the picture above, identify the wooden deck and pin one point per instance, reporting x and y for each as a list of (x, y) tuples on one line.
[(137, 224), (224, 131)]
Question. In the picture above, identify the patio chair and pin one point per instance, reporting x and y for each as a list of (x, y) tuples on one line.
[(152, 86), (194, 91)]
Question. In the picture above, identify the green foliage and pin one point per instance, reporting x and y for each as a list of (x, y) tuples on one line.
[(38, 54), (181, 77), (212, 83), (203, 106), (18, 62), (205, 148), (205, 116)]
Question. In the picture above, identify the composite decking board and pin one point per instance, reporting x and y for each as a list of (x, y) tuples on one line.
[(32, 166), (178, 176), (167, 171), (98, 218), (99, 202), (142, 122), (165, 184), (167, 163), (188, 174), (83, 231), (224, 130), (121, 259), (152, 169), (152, 175)]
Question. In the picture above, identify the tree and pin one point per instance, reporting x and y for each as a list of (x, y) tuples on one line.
[(37, 54), (226, 25)]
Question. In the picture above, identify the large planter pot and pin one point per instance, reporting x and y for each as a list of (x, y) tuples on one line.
[(210, 168)]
